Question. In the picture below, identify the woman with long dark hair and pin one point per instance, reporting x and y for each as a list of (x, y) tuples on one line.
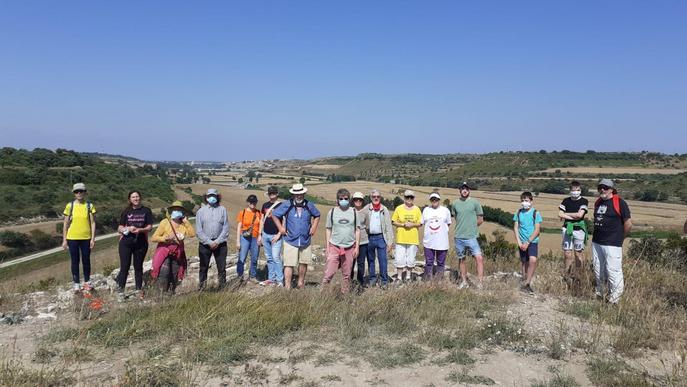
[(135, 223)]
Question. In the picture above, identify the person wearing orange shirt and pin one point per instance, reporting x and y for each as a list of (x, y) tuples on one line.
[(248, 237)]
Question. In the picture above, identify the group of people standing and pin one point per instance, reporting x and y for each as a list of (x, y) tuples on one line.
[(356, 233)]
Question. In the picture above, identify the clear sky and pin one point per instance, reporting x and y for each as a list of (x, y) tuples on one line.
[(229, 80)]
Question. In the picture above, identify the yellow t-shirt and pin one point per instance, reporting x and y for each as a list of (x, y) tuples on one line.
[(79, 228), (403, 235)]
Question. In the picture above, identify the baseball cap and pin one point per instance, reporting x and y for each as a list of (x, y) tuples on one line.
[(79, 187), (409, 193), (358, 195), (434, 195), (607, 182)]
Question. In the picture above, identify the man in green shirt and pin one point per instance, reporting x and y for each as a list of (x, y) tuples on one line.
[(469, 216)]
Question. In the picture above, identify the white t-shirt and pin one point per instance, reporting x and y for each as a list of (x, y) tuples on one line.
[(436, 221)]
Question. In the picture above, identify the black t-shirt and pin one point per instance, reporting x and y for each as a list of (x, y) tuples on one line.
[(270, 227), (609, 227), (137, 217), (569, 205)]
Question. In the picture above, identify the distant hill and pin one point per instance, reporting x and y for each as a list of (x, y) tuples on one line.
[(642, 175), (38, 182)]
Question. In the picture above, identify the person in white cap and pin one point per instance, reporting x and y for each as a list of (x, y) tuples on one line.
[(78, 235), (436, 219), (212, 230), (408, 219), (469, 216), (298, 227), (612, 224), (363, 214)]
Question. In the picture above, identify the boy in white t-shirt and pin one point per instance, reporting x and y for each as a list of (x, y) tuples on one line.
[(436, 219)]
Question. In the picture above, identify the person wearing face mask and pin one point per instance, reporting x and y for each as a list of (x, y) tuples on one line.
[(527, 225), (469, 216), (381, 239), (169, 259), (408, 219), (212, 229), (78, 235), (342, 238), (297, 222), (436, 219), (248, 238), (612, 224), (572, 211), (135, 223), (363, 213)]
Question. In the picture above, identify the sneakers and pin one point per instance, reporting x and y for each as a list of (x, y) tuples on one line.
[(76, 287), (266, 283), (121, 296), (87, 286), (463, 285), (527, 289)]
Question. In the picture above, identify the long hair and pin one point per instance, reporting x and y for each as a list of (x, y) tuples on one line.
[(130, 206)]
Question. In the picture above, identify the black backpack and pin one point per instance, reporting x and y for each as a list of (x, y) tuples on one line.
[(71, 213)]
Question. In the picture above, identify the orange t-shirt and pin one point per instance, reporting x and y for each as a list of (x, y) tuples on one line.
[(245, 216)]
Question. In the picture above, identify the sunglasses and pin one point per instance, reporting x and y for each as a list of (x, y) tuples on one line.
[(376, 197), (80, 191), (603, 188), (410, 197), (343, 198)]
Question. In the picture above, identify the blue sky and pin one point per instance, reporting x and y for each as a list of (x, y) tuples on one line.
[(280, 79)]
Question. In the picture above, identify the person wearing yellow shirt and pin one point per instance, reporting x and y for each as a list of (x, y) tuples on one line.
[(78, 235), (169, 259), (408, 219)]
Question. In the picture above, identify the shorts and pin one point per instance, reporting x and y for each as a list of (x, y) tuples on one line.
[(470, 244), (574, 241), (294, 256), (405, 256), (532, 251)]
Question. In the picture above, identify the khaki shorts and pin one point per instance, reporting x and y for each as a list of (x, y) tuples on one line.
[(293, 256)]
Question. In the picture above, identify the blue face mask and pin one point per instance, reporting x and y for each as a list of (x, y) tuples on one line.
[(212, 200), (176, 214), (344, 203)]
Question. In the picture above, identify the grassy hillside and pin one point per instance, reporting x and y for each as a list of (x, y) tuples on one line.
[(39, 182), (643, 175)]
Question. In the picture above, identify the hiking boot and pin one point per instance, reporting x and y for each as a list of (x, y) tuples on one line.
[(87, 286), (527, 289), (266, 283), (463, 285), (121, 297), (76, 287)]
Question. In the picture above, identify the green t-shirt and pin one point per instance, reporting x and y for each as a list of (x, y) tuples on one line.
[(466, 213), (344, 226)]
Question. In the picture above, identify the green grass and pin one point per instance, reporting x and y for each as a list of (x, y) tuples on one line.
[(614, 373), (13, 373), (463, 377), (50, 259), (191, 322)]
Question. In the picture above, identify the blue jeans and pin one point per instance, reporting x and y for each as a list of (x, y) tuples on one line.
[(377, 247), (80, 251), (248, 244), (360, 263), (275, 270), (467, 244)]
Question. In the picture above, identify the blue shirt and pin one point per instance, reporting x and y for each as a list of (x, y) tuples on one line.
[(526, 224), (298, 222)]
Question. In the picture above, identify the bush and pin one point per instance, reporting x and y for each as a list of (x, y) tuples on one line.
[(15, 239), (498, 215), (44, 241), (672, 251)]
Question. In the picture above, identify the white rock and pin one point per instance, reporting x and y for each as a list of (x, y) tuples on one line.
[(46, 316)]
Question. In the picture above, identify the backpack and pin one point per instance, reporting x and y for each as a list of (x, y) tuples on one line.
[(534, 215), (355, 217), (71, 213), (616, 205), (293, 205)]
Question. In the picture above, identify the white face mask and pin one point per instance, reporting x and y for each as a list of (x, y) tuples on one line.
[(526, 205), (575, 194)]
